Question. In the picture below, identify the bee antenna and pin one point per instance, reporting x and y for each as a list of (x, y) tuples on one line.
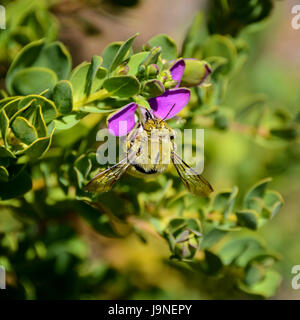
[(168, 113)]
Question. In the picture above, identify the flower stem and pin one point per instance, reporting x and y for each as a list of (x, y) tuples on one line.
[(99, 95)]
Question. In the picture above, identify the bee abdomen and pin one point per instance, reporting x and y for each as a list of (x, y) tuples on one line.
[(142, 170)]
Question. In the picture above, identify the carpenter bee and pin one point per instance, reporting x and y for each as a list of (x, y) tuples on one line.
[(149, 148)]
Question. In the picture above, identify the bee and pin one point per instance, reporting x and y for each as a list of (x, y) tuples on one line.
[(149, 148)]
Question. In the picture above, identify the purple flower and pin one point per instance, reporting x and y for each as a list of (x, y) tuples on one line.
[(177, 71), (164, 107)]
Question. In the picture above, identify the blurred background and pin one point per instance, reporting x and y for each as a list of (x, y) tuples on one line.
[(89, 265)]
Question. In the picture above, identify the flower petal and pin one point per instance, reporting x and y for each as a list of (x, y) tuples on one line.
[(207, 73), (170, 103), (123, 121), (177, 71)]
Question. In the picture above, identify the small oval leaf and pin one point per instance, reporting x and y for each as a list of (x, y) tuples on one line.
[(24, 130), (63, 96), (122, 86)]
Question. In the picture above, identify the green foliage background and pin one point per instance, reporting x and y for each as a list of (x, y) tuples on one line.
[(147, 239)]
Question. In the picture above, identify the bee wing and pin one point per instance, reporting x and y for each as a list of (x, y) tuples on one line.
[(193, 181), (104, 180)]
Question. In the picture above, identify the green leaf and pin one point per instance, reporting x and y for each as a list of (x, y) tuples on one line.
[(48, 107), (51, 127), (153, 88), (99, 221), (297, 118), (212, 263), (23, 130), (21, 110), (176, 224), (152, 57), (267, 287), (39, 123), (52, 56), (216, 63), (141, 101), (40, 146), (210, 266), (224, 202), (78, 80), (33, 80), (3, 95), (253, 275), (193, 36), (96, 109), (4, 122), (98, 79), (221, 46), (240, 250), (4, 175), (231, 17), (248, 219), (256, 204), (257, 191), (285, 133), (122, 86), (122, 53), (220, 121), (212, 237), (37, 148), (168, 46), (109, 53), (69, 121), (273, 202), (11, 107), (63, 96), (56, 57), (93, 68), (135, 61), (24, 59), (6, 153), (79, 77), (16, 186), (82, 167), (7, 100)]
